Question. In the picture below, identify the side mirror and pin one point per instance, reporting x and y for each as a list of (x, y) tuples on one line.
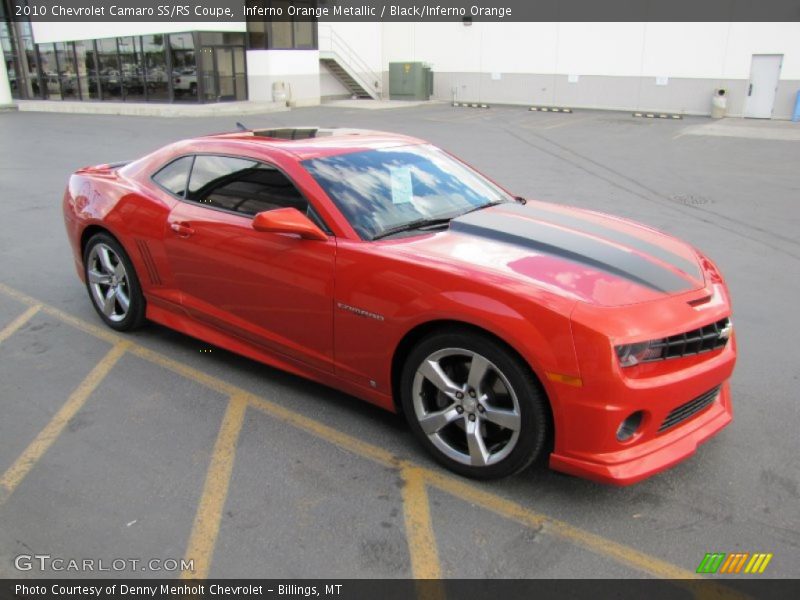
[(288, 220)]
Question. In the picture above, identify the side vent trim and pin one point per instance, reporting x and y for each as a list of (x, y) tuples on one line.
[(149, 263)]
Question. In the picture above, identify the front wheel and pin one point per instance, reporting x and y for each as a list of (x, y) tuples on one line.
[(474, 405), (112, 283)]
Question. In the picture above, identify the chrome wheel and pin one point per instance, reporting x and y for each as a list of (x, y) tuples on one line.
[(108, 282), (466, 407)]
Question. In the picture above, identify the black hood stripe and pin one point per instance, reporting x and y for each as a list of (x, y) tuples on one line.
[(691, 268), (549, 239)]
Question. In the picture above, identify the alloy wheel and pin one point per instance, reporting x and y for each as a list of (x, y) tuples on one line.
[(466, 407), (108, 282)]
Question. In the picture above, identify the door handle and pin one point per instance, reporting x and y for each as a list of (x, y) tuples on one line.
[(182, 229), (750, 90)]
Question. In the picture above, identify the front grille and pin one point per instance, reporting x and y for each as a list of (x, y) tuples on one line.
[(691, 408), (697, 341)]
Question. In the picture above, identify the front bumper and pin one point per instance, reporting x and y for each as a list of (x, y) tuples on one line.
[(638, 462), (587, 417)]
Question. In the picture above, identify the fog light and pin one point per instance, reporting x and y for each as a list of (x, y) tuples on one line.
[(629, 426)]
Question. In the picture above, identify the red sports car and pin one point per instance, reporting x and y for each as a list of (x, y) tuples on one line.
[(505, 330)]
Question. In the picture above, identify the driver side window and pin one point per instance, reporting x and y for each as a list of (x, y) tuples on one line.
[(241, 185)]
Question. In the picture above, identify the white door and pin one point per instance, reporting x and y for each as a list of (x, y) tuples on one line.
[(764, 72)]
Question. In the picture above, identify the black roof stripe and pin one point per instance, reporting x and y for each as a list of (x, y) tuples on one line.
[(550, 239), (689, 267)]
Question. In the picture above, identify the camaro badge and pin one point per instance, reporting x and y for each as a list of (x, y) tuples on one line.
[(360, 311)]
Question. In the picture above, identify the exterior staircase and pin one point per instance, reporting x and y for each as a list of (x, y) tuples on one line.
[(343, 62), (344, 78)]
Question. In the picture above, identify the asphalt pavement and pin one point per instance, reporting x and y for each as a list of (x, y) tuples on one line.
[(143, 447)]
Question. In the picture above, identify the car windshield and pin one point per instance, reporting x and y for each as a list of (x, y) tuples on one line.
[(386, 190)]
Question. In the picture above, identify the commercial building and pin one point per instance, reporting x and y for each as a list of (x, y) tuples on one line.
[(669, 67)]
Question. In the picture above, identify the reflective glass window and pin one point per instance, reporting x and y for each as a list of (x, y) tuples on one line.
[(67, 72), (48, 72), (242, 185), (173, 177), (87, 70), (132, 68), (108, 69), (154, 56), (184, 67)]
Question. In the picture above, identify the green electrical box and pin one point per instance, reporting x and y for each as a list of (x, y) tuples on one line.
[(410, 81)]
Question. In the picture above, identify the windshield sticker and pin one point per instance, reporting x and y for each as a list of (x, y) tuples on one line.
[(401, 185)]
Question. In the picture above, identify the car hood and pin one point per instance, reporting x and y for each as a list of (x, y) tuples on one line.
[(587, 255)]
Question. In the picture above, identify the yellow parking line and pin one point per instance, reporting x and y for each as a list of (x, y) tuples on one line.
[(14, 326), (625, 555), (203, 538), (36, 449), (597, 544), (104, 333), (329, 434), (419, 531)]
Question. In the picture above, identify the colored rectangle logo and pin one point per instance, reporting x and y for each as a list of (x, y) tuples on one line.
[(734, 563)]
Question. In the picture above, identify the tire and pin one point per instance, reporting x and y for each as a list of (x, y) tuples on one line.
[(475, 406), (112, 283)]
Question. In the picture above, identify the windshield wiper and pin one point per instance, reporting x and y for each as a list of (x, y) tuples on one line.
[(482, 206), (424, 223), (418, 224)]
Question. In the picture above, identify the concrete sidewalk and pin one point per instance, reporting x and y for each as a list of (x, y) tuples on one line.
[(754, 129), (152, 109)]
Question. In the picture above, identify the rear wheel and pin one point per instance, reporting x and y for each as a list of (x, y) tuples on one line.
[(474, 405), (112, 283)]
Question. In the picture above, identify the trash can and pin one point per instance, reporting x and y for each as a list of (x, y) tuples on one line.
[(719, 103), (281, 92)]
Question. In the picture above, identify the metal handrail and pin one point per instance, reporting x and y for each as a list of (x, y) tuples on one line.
[(348, 57)]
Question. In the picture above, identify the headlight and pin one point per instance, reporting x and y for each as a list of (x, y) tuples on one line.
[(633, 354)]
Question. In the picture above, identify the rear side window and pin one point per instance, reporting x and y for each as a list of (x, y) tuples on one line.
[(174, 176), (241, 185)]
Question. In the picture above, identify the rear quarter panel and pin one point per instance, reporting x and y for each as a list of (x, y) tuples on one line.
[(106, 198)]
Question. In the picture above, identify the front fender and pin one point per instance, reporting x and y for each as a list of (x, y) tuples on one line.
[(380, 300)]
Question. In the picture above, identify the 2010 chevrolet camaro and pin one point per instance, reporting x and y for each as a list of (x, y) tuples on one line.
[(505, 330)]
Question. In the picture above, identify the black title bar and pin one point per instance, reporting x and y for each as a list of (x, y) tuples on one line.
[(421, 11), (395, 589)]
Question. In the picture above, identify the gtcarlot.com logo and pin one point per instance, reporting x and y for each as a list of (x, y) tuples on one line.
[(46, 562), (735, 563)]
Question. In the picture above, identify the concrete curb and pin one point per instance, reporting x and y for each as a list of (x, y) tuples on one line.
[(140, 109)]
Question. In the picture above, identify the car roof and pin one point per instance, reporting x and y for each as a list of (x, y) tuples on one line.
[(313, 142)]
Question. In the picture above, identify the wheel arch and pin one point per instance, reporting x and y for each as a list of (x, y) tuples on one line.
[(422, 330), (93, 229)]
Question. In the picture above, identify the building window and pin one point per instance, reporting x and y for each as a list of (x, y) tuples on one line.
[(285, 33), (175, 67), (108, 69), (154, 56), (87, 70), (27, 61), (19, 52), (48, 85), (12, 65), (131, 68), (67, 73), (184, 67)]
